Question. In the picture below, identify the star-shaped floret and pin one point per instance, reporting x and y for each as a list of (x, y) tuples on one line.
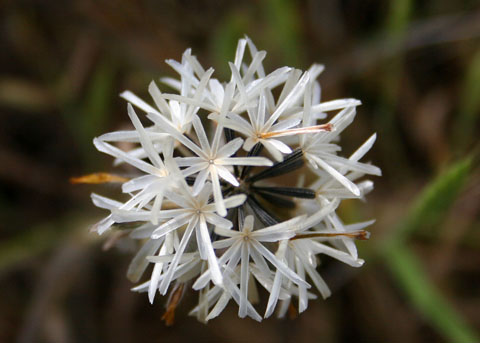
[(211, 161), (249, 243)]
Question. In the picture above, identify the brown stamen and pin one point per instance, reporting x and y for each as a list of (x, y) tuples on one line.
[(297, 131), (97, 178), (173, 301), (292, 311), (361, 235)]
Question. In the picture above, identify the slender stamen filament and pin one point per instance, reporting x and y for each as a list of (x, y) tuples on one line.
[(173, 301), (297, 131)]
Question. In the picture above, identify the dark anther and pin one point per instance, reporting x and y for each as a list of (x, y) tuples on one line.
[(256, 150), (276, 200), (229, 134), (266, 218), (291, 162), (296, 192)]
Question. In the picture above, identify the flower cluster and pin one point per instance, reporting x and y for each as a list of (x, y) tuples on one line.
[(237, 185)]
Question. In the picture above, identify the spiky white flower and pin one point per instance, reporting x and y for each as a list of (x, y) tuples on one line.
[(250, 224)]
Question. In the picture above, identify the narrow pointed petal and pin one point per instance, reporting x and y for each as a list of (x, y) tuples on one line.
[(230, 148), (225, 174), (282, 267), (171, 225), (339, 177), (176, 259), (212, 259), (135, 100), (217, 193)]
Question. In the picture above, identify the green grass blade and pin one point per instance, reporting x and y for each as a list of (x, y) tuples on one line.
[(225, 40), (391, 72), (427, 212), (426, 298), (284, 26), (434, 201), (469, 111)]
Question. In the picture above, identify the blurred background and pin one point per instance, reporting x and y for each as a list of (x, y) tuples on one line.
[(414, 64)]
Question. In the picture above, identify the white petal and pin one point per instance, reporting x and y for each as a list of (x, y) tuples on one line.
[(158, 99), (104, 202), (232, 253), (170, 129), (218, 221), (318, 281), (272, 149), (239, 83), (285, 124), (225, 174), (230, 148), (139, 262), (171, 82), (282, 267), (295, 93), (216, 90), (274, 294), (260, 262), (253, 52), (131, 136), (254, 66), (184, 72), (190, 101), (245, 161), (339, 177), (280, 146), (132, 98), (318, 216), (202, 249), (171, 225), (244, 276), (249, 144), (200, 181), (337, 254), (195, 168), (115, 152), (335, 105), (176, 259), (144, 139), (155, 278), (219, 306), (234, 291), (224, 243), (202, 136), (235, 200), (239, 52), (138, 183), (212, 259), (217, 193), (302, 291)]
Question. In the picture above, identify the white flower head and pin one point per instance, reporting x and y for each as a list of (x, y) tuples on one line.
[(218, 200)]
